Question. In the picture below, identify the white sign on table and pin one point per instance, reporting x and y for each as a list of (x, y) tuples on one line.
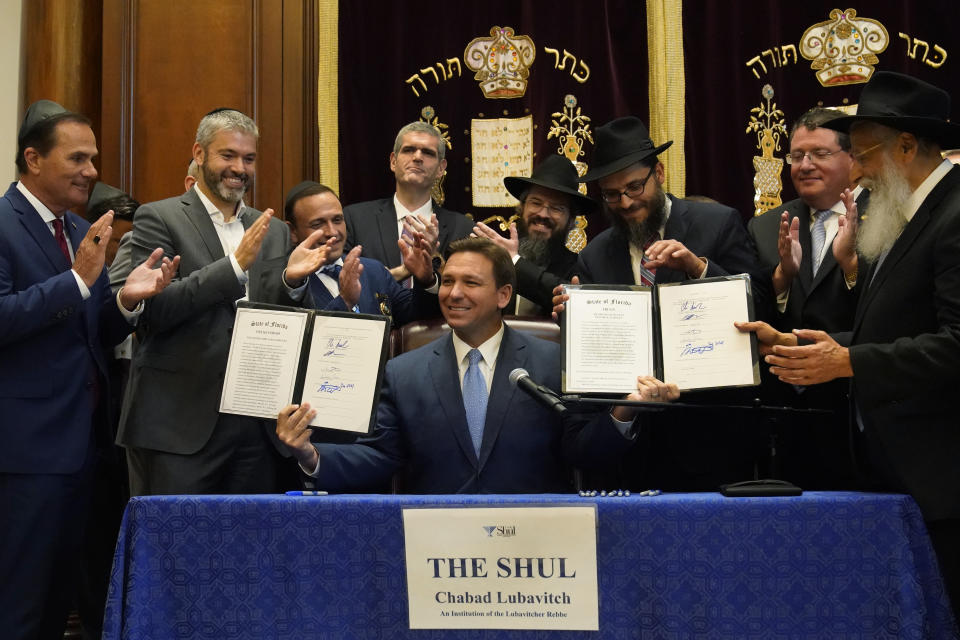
[(502, 567)]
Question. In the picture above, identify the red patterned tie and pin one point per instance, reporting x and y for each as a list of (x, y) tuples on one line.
[(647, 275), (61, 239)]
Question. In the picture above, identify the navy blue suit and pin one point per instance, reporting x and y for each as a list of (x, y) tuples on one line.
[(51, 365), (405, 305), (422, 428)]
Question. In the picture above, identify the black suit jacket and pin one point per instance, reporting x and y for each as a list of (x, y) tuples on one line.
[(373, 225), (813, 451), (905, 354), (822, 302), (707, 229), (710, 230), (536, 283)]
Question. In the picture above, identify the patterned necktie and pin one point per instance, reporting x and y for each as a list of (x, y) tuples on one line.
[(332, 270), (61, 239), (818, 236), (475, 399), (647, 275)]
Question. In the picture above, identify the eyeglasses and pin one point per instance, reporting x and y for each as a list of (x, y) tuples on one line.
[(633, 191), (536, 204), (858, 155), (817, 155)]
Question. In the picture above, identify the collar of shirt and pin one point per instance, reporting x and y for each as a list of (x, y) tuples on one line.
[(215, 214), (918, 196), (423, 212), (838, 208), (45, 213), (489, 350)]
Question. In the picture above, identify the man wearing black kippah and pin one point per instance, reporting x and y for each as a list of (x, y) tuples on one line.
[(177, 440), (57, 317)]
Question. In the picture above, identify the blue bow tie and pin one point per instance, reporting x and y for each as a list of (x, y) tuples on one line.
[(332, 270)]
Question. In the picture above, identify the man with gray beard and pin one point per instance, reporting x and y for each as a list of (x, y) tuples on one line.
[(549, 205), (177, 441), (902, 355)]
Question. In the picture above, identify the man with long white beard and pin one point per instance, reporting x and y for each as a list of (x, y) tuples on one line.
[(903, 352)]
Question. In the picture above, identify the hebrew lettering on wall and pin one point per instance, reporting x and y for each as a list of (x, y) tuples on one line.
[(499, 147)]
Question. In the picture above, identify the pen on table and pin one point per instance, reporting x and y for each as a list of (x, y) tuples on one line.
[(306, 493)]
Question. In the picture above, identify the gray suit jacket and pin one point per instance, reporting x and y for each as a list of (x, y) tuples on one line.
[(173, 397)]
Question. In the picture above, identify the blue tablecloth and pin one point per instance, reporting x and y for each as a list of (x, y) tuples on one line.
[(821, 565)]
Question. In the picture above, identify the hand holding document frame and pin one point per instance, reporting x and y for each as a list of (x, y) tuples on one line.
[(282, 355), (678, 332)]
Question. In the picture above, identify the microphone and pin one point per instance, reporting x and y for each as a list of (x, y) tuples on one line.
[(541, 394)]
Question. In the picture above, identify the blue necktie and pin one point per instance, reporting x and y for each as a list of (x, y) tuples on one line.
[(332, 270), (819, 236), (475, 399)]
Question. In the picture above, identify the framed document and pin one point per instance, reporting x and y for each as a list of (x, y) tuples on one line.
[(333, 360), (678, 332)]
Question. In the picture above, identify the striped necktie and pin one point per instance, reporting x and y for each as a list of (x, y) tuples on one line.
[(647, 275), (818, 237)]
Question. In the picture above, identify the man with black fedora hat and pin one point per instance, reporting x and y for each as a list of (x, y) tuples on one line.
[(57, 315), (655, 237), (902, 353), (549, 205)]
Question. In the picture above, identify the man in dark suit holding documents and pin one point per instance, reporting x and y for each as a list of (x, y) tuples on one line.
[(448, 414)]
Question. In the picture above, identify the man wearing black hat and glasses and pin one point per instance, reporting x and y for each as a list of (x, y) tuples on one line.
[(655, 236), (57, 314), (902, 353), (549, 204)]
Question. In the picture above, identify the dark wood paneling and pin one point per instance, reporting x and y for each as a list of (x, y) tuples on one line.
[(61, 55), (168, 63)]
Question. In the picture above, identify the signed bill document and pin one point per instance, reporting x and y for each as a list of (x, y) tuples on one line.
[(280, 355), (678, 332)]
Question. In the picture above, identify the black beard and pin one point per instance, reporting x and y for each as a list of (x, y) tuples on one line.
[(537, 249), (639, 233)]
